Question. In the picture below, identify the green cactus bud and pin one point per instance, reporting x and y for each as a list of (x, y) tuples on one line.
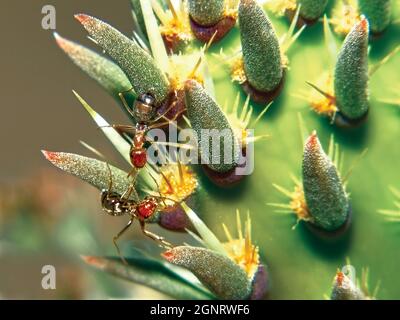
[(205, 114), (378, 13), (138, 65), (325, 196), (90, 170), (206, 12), (260, 46), (351, 73), (218, 273), (312, 9), (345, 289), (103, 70)]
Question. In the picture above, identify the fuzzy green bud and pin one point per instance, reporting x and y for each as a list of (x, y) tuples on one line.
[(218, 273), (351, 73), (312, 9), (137, 64), (378, 13), (325, 196), (260, 47), (206, 12), (93, 171), (108, 74), (211, 125)]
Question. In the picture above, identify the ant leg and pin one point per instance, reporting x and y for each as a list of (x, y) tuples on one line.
[(128, 192), (154, 236), (165, 112), (166, 122), (118, 236), (125, 103)]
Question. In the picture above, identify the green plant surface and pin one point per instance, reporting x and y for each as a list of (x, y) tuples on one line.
[(301, 265)]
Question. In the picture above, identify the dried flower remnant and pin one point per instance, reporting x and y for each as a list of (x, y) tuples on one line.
[(234, 274), (175, 25), (176, 183), (322, 97), (240, 119), (280, 7), (212, 19), (297, 204), (345, 15), (349, 12)]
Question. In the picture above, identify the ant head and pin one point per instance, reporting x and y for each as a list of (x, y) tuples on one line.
[(147, 208), (144, 108)]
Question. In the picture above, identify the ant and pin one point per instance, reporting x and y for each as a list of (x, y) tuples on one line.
[(115, 204), (144, 111)]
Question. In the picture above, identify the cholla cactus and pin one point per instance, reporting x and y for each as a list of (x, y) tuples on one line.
[(164, 71)]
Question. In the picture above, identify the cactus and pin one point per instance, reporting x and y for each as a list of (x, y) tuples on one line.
[(206, 13), (378, 13), (312, 9), (351, 73), (243, 276), (260, 45)]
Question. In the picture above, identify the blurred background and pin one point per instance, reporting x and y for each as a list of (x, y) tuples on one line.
[(47, 217)]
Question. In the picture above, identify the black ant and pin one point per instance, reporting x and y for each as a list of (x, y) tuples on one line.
[(144, 111), (116, 204)]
